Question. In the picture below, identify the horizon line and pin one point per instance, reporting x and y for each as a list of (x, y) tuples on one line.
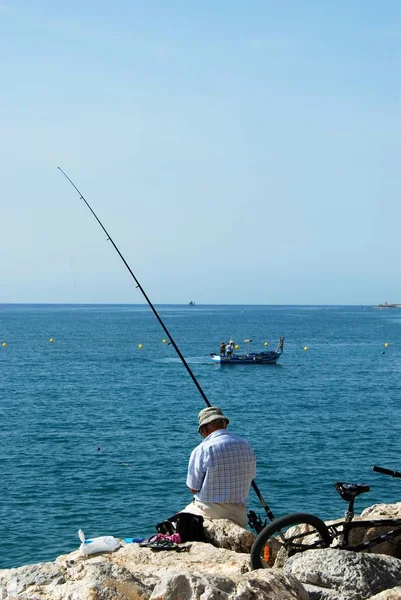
[(176, 304)]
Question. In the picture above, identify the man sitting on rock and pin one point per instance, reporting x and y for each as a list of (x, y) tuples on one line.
[(220, 470)]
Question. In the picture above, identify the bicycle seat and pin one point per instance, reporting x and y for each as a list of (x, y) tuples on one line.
[(349, 491)]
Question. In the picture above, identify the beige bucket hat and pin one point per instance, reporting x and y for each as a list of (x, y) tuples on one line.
[(210, 414)]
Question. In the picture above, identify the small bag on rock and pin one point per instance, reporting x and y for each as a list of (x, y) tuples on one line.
[(189, 526)]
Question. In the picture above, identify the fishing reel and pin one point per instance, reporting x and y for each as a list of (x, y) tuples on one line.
[(255, 521)]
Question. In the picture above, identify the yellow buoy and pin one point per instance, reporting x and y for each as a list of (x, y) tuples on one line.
[(236, 346), (51, 340), (164, 341), (386, 344), (4, 344), (139, 346), (306, 348), (266, 343)]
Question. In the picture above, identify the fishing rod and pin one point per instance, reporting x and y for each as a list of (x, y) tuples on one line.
[(176, 348)]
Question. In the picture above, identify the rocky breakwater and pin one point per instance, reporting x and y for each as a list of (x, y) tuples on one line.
[(218, 570), (204, 572)]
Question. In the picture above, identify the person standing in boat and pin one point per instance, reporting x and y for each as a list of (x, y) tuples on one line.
[(220, 471), (223, 348), (230, 348)]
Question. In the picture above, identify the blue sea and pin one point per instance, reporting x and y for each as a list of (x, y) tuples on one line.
[(95, 431)]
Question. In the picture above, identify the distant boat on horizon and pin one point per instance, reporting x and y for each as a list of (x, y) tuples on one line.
[(387, 305), (192, 303)]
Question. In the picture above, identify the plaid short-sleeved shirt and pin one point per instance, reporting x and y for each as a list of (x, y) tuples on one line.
[(222, 468)]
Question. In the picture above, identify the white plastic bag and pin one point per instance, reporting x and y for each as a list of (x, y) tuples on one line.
[(105, 543)]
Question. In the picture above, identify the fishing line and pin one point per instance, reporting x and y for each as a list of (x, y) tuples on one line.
[(184, 362)]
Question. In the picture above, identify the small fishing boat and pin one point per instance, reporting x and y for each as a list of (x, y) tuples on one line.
[(192, 303), (268, 357), (386, 305)]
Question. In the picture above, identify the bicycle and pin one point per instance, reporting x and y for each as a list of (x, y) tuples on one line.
[(298, 532)]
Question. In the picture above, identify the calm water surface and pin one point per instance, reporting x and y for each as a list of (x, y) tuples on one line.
[(95, 433)]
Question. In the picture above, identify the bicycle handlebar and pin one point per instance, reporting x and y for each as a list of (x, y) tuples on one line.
[(387, 471)]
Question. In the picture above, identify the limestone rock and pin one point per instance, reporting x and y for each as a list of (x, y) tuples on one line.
[(269, 584), (318, 593), (352, 575), (183, 585), (392, 594), (204, 572), (200, 558), (223, 533), (263, 585), (382, 511), (73, 579)]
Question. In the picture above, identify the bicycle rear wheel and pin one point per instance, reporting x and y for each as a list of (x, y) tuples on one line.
[(286, 536)]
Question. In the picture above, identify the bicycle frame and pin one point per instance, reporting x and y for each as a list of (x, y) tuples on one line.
[(343, 529), (299, 532)]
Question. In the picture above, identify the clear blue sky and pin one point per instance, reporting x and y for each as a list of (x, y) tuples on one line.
[(237, 152)]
